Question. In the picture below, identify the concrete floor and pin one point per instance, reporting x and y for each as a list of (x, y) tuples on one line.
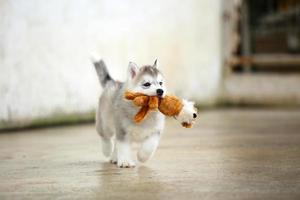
[(229, 154)]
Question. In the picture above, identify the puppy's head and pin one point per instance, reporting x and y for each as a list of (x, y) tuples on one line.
[(188, 113), (146, 79)]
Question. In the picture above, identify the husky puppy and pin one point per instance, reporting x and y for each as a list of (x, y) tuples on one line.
[(114, 117)]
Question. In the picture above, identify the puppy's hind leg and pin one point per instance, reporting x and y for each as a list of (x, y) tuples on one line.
[(106, 140), (107, 146), (114, 155)]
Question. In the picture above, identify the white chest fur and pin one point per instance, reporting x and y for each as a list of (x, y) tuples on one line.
[(153, 124), (138, 133)]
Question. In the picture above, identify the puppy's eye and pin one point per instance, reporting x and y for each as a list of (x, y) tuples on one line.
[(160, 83), (147, 84)]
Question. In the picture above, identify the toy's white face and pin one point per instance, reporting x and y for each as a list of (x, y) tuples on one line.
[(188, 113)]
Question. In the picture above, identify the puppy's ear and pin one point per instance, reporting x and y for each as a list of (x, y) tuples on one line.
[(155, 64), (132, 70)]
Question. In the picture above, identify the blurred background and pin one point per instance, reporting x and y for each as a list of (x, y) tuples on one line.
[(214, 52)]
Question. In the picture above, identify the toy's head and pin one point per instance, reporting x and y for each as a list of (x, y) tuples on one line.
[(188, 114), (147, 80)]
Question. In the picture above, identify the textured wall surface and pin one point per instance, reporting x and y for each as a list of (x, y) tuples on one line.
[(45, 48)]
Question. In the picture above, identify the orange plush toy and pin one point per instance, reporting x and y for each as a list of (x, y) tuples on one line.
[(169, 105)]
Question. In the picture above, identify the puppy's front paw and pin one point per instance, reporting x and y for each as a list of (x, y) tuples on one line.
[(125, 163)]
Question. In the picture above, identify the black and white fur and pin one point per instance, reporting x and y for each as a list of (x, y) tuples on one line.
[(114, 117)]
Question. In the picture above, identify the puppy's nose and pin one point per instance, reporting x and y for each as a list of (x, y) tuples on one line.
[(194, 115), (159, 92)]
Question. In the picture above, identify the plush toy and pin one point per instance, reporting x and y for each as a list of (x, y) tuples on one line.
[(169, 106)]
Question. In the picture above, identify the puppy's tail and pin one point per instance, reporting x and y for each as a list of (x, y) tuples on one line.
[(102, 71)]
